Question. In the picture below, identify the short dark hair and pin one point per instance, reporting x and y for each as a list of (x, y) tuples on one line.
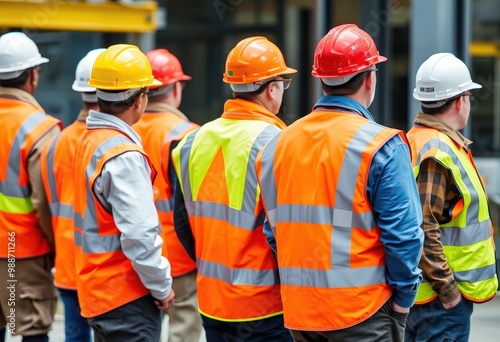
[(348, 88), (18, 81), (440, 109), (115, 108)]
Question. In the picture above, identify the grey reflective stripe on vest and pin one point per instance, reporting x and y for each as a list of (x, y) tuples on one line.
[(237, 276), (56, 207), (268, 181), (476, 275), (452, 233), (178, 129), (185, 154), (218, 211), (91, 241), (11, 185), (473, 233), (336, 278), (341, 218), (245, 217), (165, 205)]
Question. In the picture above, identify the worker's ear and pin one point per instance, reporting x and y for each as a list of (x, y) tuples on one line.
[(33, 78), (139, 101)]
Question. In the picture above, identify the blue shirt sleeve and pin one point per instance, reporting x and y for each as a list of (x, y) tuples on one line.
[(270, 239), (394, 197)]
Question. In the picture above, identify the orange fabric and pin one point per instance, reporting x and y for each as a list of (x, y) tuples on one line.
[(29, 238), (219, 241), (153, 129), (106, 280), (321, 139), (63, 171)]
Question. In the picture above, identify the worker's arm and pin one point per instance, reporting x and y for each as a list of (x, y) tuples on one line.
[(38, 196), (124, 188), (438, 194), (393, 194), (181, 223)]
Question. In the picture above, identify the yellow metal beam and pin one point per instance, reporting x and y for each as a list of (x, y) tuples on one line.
[(484, 49), (78, 16)]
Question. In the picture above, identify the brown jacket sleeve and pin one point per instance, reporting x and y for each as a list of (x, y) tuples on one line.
[(38, 196)]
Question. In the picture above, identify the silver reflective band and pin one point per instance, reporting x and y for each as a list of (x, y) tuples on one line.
[(89, 97), (116, 97)]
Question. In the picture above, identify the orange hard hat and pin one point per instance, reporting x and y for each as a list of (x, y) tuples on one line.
[(345, 50), (166, 67), (254, 59)]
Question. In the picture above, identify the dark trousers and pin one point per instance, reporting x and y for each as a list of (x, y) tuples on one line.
[(137, 321), (76, 328), (432, 322), (385, 325), (262, 330)]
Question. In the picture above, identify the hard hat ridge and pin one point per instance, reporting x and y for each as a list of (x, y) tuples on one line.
[(18, 53), (442, 76)]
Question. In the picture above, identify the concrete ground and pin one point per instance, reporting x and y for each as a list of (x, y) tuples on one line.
[(485, 324)]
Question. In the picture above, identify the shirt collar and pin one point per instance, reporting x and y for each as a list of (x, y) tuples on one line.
[(239, 109), (438, 124), (97, 120), (21, 95), (343, 104)]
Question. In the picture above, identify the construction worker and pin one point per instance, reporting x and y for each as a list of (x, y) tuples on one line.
[(57, 173), (162, 125), (458, 258), (217, 205), (342, 205), (26, 238), (123, 280)]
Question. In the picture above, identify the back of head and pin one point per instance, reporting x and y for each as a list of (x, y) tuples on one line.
[(344, 52), (441, 78), (167, 69), (18, 53), (252, 62), (82, 75)]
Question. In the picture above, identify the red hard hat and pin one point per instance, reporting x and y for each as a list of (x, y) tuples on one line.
[(166, 67), (345, 50)]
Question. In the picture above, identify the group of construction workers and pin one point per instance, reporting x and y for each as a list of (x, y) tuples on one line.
[(334, 228)]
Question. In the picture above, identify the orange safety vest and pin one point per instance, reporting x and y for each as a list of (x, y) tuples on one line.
[(22, 127), (331, 260), (237, 275), (157, 131), (57, 165), (106, 278)]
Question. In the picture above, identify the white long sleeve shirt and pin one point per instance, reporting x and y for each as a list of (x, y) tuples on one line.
[(124, 188)]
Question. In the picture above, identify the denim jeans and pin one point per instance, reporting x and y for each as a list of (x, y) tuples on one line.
[(263, 330), (76, 327), (432, 322)]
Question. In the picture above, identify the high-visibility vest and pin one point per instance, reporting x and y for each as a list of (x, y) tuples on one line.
[(106, 278), (237, 275), (468, 238), (58, 178), (22, 127), (331, 260), (157, 131)]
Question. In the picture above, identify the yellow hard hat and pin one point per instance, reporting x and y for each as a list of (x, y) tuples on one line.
[(121, 67)]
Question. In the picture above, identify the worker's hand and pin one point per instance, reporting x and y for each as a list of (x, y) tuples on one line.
[(166, 303), (399, 309), (453, 303)]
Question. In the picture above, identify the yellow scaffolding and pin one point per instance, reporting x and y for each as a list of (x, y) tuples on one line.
[(65, 15), (484, 49)]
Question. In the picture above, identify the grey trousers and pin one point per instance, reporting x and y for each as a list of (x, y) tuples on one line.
[(385, 325), (184, 317), (137, 321)]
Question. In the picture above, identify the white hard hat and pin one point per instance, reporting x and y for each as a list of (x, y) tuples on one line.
[(17, 53), (84, 70), (442, 76)]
